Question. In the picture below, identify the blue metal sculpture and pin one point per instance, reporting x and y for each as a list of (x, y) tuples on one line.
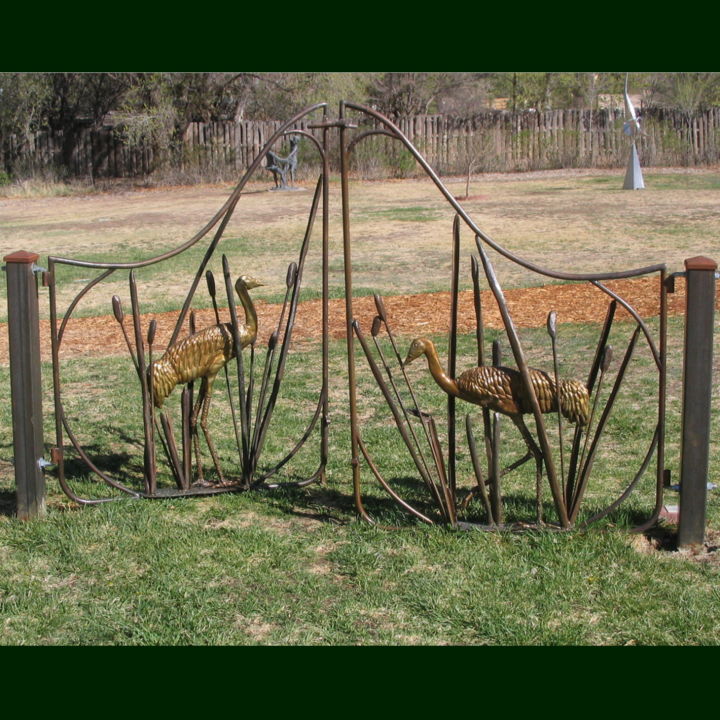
[(282, 167)]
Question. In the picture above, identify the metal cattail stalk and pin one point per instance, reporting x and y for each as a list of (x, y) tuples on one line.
[(552, 331), (292, 279), (378, 322), (494, 442), (152, 330), (588, 462), (212, 291), (604, 365), (423, 468), (237, 349), (592, 377), (150, 472), (438, 492), (120, 317), (478, 471)]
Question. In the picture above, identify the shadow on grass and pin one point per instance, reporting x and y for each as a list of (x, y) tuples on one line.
[(108, 463), (8, 503), (317, 502), (121, 467), (327, 504)]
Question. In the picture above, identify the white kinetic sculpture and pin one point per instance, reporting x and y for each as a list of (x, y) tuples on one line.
[(633, 175)]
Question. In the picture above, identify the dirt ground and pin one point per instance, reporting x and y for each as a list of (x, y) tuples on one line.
[(410, 314), (577, 221)]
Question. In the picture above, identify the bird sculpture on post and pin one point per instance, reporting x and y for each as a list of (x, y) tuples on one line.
[(502, 390), (203, 355)]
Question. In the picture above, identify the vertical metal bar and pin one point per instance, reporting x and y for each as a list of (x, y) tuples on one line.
[(349, 317), (492, 461), (452, 354), (493, 443), (324, 423), (150, 470), (54, 352), (661, 472), (25, 383), (697, 391), (237, 351)]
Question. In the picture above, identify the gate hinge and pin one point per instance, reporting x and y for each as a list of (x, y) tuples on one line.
[(44, 273), (56, 454)]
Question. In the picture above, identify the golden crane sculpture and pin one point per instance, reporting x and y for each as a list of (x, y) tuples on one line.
[(502, 390), (203, 355)]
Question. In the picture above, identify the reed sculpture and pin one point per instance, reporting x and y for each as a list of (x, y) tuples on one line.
[(202, 355), (502, 390)]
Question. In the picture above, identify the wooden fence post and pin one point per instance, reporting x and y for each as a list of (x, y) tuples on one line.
[(25, 383), (697, 392)]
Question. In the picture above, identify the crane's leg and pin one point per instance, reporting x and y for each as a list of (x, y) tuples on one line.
[(537, 454), (207, 384), (193, 431)]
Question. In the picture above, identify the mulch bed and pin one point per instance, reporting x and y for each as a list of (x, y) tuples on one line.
[(407, 314)]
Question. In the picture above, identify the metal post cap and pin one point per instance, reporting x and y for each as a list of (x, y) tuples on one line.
[(21, 256), (700, 263)]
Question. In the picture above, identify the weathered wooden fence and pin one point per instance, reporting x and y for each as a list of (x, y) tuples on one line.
[(494, 141), (503, 141)]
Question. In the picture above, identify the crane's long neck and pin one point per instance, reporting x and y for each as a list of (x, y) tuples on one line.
[(447, 383), (250, 314)]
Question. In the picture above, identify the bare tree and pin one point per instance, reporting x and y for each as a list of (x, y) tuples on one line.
[(79, 100), (472, 153), (22, 99), (403, 94)]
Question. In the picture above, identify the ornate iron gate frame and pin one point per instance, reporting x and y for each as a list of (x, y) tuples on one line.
[(249, 448), (437, 471)]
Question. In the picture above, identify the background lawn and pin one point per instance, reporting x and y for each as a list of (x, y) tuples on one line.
[(294, 566)]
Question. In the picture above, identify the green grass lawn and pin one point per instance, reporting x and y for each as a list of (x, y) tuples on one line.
[(295, 567), (248, 569)]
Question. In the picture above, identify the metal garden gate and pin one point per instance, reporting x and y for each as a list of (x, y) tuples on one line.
[(570, 418)]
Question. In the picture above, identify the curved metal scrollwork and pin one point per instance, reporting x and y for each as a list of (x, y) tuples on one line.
[(569, 417), (418, 428), (199, 357)]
